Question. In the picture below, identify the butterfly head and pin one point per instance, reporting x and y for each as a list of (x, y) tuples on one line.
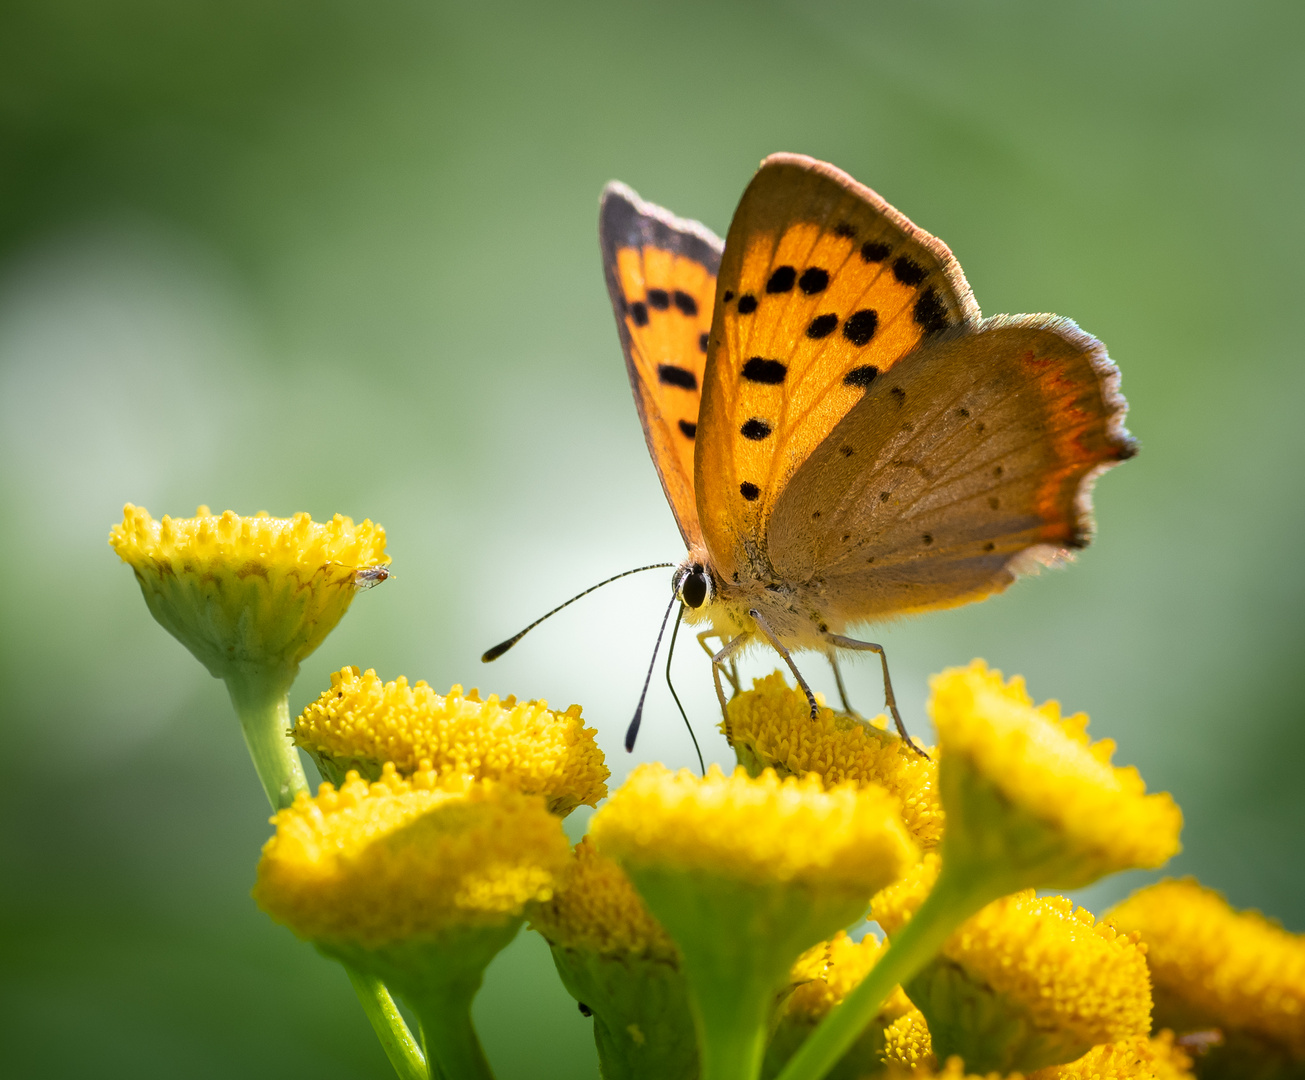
[(693, 584)]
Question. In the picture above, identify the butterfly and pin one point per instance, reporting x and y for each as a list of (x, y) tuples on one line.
[(841, 436)]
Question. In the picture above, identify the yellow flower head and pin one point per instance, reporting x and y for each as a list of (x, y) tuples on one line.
[(361, 723), (770, 726), (824, 975), (597, 910), (906, 1042), (259, 591), (759, 830), (1217, 967), (828, 971), (746, 874), (1061, 981), (398, 860), (1069, 814), (1135, 1058), (1067, 971), (893, 907)]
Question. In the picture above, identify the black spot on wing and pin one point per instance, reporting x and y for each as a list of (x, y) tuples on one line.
[(845, 230), (813, 280), (929, 312), (861, 376), (702, 341), (685, 302), (673, 375), (688, 430), (747, 304), (760, 370), (781, 280), (822, 326), (899, 395), (659, 298), (749, 491), (729, 295), (908, 271), (755, 429), (846, 450), (860, 326), (639, 313), (875, 251)]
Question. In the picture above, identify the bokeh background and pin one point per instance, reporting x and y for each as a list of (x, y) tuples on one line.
[(326, 256)]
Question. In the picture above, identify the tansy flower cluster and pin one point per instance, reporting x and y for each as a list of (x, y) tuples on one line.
[(361, 723), (714, 927)]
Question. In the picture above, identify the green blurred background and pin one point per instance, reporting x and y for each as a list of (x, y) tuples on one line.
[(331, 257)]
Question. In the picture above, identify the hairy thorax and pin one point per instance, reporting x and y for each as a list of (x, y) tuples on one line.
[(797, 613)]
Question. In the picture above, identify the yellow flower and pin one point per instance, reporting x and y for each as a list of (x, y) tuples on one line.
[(893, 907), (770, 726), (745, 874), (1049, 980), (616, 960), (1217, 967), (760, 830), (249, 590), (907, 1043), (1029, 803), (361, 723), (399, 859), (1070, 816), (420, 883), (596, 909), (826, 972), (824, 975), (1135, 1058)]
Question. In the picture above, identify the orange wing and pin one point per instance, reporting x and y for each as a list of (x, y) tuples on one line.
[(661, 276), (823, 288)]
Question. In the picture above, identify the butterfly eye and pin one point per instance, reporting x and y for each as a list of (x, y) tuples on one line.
[(694, 588)]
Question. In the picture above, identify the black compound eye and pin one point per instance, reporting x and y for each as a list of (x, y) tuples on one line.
[(694, 590)]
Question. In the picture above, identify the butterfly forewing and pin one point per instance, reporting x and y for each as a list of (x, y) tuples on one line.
[(967, 462), (824, 288), (661, 276)]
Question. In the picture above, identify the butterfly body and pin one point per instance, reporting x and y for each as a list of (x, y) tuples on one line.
[(841, 436)]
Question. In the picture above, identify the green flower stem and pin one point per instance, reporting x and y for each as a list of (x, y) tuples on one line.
[(954, 898), (449, 1037), (400, 1047), (262, 702), (732, 1016)]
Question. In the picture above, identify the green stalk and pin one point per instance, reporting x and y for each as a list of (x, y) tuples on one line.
[(262, 702), (450, 1040), (953, 899), (395, 1038), (732, 1019)]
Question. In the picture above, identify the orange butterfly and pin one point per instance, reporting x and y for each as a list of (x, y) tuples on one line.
[(841, 436)]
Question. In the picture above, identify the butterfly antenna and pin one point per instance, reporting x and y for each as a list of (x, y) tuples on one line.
[(503, 646), (632, 732), (670, 653)]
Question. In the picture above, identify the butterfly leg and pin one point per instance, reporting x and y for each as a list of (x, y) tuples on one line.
[(778, 646), (838, 641), (842, 690), (732, 672), (717, 662)]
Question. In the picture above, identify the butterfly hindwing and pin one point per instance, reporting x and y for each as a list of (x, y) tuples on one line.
[(661, 277), (970, 460), (824, 288)]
